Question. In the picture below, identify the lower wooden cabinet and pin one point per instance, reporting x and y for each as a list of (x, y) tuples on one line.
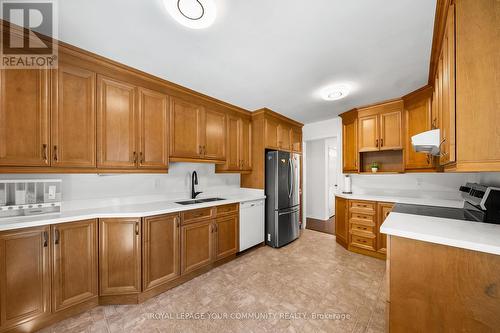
[(74, 263), (226, 231), (24, 275), (160, 250), (341, 221), (196, 245), (383, 208), (119, 256)]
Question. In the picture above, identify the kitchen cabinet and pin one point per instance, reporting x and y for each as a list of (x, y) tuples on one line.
[(418, 119), (368, 133), (153, 129), (74, 263), (238, 143), (227, 236), (350, 153), (73, 129), (272, 133), (119, 256), (24, 117), (160, 250), (24, 275), (116, 124), (341, 221), (246, 144), (284, 136), (296, 139), (214, 135), (197, 245), (383, 210)]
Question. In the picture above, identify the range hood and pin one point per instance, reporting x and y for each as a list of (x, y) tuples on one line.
[(427, 142)]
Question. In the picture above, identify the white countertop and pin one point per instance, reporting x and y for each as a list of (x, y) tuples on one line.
[(402, 199), (482, 237), (121, 210)]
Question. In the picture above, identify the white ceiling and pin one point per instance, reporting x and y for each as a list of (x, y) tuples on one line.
[(262, 53)]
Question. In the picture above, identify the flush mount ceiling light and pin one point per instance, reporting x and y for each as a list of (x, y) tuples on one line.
[(333, 93), (194, 14)]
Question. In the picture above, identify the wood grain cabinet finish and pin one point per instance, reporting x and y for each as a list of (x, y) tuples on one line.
[(238, 145), (284, 139), (350, 153), (246, 144), (116, 124), (197, 245), (24, 275), (73, 129), (153, 129), (391, 124), (271, 133), (227, 236), (119, 256), (296, 139), (341, 220), (214, 135), (160, 250), (383, 208), (368, 133), (74, 263), (24, 117)]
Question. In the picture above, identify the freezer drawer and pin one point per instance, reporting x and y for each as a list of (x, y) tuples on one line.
[(283, 228), (251, 224)]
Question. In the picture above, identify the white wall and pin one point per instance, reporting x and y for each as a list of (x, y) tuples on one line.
[(175, 184), (491, 178), (316, 179), (333, 176)]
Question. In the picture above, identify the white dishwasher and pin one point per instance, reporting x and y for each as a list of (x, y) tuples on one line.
[(251, 223)]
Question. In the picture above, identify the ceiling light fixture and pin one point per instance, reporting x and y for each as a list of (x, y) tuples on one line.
[(333, 93), (194, 14)]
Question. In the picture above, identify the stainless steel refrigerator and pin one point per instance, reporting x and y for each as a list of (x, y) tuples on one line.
[(282, 197)]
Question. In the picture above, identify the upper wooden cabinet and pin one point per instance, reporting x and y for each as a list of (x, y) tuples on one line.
[(272, 133), (24, 116), (116, 124), (238, 145), (284, 139), (73, 129), (196, 133), (246, 144), (296, 139), (381, 127), (350, 141)]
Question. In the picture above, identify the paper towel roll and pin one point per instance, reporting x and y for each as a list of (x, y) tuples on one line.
[(347, 185)]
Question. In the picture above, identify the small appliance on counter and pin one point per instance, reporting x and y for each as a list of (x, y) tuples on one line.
[(21, 197), (482, 204)]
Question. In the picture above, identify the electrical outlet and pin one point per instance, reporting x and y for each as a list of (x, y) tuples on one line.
[(52, 192)]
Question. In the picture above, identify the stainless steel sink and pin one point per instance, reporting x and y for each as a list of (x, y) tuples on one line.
[(197, 201)]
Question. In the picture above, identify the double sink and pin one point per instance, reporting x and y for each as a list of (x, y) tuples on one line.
[(198, 201)]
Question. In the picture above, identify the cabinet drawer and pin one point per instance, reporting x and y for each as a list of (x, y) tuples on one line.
[(197, 215), (367, 243), (365, 207), (227, 209), (362, 230), (364, 219)]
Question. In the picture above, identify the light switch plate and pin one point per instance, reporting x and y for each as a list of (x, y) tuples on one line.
[(52, 192)]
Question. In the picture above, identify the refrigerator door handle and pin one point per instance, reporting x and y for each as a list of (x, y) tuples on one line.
[(290, 177)]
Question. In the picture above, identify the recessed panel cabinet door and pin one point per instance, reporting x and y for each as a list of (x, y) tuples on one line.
[(227, 236), (160, 250), (24, 275), (233, 156), (284, 137), (24, 127), (391, 136), (119, 256), (271, 133), (383, 211), (246, 144), (116, 124), (341, 220), (74, 267), (185, 129), (350, 145), (368, 133), (73, 117), (153, 129), (214, 143), (196, 245), (418, 120), (296, 135)]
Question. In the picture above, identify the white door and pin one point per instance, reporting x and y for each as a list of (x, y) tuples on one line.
[(332, 178)]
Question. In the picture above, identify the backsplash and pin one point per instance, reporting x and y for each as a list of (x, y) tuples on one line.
[(491, 178), (175, 184), (428, 185)]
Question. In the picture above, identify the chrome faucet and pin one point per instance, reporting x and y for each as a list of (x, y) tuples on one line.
[(194, 181)]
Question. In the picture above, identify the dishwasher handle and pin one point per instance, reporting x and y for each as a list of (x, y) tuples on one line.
[(251, 204)]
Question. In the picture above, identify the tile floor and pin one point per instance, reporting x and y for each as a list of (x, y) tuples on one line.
[(313, 275)]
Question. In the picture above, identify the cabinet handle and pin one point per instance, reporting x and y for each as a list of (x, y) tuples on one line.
[(381, 142), (55, 153), (135, 157), (137, 228), (56, 237), (141, 159), (376, 143), (45, 239), (204, 150), (199, 150), (434, 123), (177, 222), (44, 153)]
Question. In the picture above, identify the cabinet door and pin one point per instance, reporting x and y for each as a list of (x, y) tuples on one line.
[(185, 129), (368, 133), (350, 145), (341, 220), (119, 256), (296, 137), (391, 125), (160, 250), (116, 124), (73, 117), (196, 245), (74, 263), (214, 143), (246, 144), (284, 136), (153, 130), (227, 236), (384, 209), (233, 157), (418, 120), (271, 133), (24, 126), (24, 275)]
